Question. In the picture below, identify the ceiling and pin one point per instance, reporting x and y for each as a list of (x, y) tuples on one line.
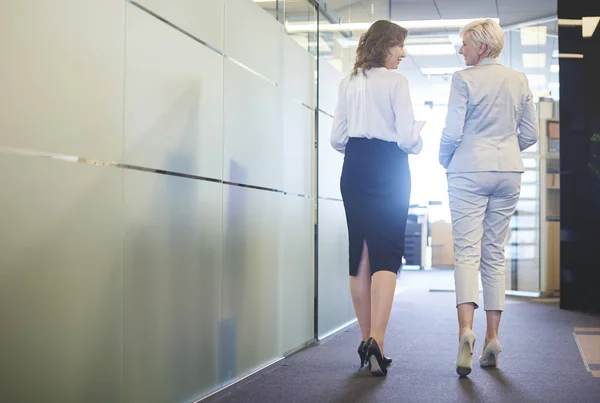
[(508, 11), (338, 48)]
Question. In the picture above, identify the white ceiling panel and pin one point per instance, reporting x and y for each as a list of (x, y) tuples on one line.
[(423, 10), (460, 9)]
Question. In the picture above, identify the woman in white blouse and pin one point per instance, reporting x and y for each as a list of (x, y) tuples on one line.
[(491, 119), (373, 127)]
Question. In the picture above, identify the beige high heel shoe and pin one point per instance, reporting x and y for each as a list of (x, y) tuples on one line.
[(464, 361), (489, 356)]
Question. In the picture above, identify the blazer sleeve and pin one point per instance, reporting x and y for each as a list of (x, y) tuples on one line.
[(455, 120), (528, 130)]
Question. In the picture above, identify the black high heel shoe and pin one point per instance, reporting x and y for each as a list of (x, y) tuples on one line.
[(377, 364), (362, 353)]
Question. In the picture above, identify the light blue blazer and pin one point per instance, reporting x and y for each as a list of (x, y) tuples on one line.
[(491, 119)]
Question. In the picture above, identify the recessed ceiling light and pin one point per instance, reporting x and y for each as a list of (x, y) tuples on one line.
[(534, 36)]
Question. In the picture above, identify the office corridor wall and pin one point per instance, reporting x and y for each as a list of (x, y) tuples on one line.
[(156, 166)]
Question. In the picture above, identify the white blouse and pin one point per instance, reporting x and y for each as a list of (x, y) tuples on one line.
[(377, 106)]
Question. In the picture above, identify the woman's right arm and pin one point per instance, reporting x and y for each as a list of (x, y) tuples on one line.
[(339, 129), (528, 132)]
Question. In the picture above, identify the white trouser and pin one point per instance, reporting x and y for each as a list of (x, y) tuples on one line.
[(481, 205)]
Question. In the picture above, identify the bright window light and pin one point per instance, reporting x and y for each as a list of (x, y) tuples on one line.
[(534, 36), (456, 40), (423, 40), (553, 86), (536, 80), (347, 43), (439, 71), (554, 68), (363, 26), (430, 50), (534, 60)]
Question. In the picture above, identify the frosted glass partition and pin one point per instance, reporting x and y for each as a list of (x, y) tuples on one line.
[(60, 281), (61, 77), (132, 271), (298, 65), (335, 302), (298, 145), (329, 81), (250, 278), (173, 99), (296, 277), (251, 129), (172, 283), (202, 19), (245, 23), (330, 161)]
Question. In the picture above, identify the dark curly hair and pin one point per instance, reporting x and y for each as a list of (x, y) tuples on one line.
[(374, 45)]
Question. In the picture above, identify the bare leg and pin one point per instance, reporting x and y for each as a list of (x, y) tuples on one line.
[(382, 296), (466, 312), (493, 323), (360, 289)]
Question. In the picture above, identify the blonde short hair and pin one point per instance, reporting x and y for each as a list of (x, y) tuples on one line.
[(486, 32)]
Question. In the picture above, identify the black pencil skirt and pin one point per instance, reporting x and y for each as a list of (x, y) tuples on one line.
[(375, 187)]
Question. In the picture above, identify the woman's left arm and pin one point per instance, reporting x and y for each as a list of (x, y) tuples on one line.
[(455, 120)]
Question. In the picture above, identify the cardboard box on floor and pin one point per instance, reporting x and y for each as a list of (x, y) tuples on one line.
[(442, 244)]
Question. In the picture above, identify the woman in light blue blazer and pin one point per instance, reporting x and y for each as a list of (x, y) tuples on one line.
[(491, 119)]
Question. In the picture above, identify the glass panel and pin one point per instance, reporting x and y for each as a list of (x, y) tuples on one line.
[(249, 332), (244, 23), (203, 19), (62, 77), (522, 221), (296, 263), (252, 140), (61, 281), (174, 103), (335, 303), (529, 177), (172, 287), (533, 50), (330, 161), (529, 191), (298, 145)]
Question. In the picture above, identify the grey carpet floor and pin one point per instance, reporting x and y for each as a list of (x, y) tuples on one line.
[(540, 361)]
